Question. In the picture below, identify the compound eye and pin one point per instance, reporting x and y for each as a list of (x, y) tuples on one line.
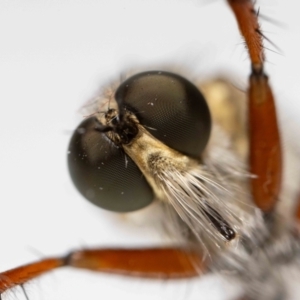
[(103, 174), (170, 107)]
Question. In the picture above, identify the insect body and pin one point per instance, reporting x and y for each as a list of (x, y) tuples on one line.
[(175, 177), (241, 241)]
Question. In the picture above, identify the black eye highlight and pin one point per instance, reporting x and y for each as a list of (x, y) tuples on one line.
[(171, 105)]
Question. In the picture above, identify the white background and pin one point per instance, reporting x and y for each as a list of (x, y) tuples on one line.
[(56, 55)]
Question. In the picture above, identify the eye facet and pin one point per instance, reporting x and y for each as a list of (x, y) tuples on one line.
[(102, 174), (171, 108)]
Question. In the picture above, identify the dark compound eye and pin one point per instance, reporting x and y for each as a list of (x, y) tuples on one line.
[(171, 105), (166, 102), (102, 174)]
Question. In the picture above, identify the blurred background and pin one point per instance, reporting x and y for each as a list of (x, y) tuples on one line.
[(54, 57)]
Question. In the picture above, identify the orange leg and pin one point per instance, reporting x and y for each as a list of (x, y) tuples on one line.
[(153, 263), (21, 275), (265, 159), (297, 215), (265, 149)]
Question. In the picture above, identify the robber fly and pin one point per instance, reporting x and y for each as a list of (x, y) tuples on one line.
[(224, 227)]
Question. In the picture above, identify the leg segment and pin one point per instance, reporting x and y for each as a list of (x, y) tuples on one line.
[(265, 149), (21, 275), (153, 263), (246, 17)]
